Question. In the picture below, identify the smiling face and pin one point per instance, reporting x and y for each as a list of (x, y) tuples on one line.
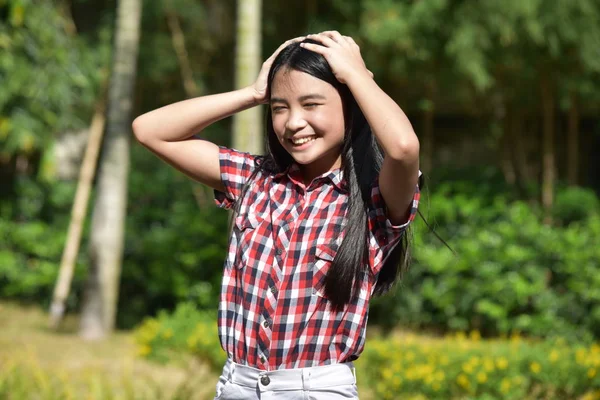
[(308, 119)]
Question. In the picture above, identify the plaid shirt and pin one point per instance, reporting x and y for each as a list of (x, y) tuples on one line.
[(273, 312)]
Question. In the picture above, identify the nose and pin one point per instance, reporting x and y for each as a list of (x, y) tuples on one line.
[(295, 121)]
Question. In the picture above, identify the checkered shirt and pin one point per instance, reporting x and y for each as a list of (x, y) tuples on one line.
[(273, 312)]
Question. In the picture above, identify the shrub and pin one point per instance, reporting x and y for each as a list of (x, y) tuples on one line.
[(511, 272), (457, 366)]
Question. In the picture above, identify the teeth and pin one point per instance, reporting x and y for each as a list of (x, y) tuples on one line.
[(303, 140)]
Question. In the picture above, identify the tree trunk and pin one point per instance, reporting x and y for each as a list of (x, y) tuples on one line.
[(78, 212), (548, 163), (506, 147), (247, 125), (108, 220), (178, 40), (573, 142)]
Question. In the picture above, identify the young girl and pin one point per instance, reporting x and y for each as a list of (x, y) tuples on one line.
[(319, 223)]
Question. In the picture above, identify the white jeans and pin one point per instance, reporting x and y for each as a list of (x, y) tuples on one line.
[(240, 382)]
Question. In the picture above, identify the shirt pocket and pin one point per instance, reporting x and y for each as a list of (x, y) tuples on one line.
[(244, 230), (324, 256)]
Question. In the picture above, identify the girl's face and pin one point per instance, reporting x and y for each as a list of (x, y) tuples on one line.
[(308, 119)]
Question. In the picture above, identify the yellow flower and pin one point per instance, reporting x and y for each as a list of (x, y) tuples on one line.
[(436, 387), (553, 356), (192, 341), (482, 377), (467, 367), (387, 373), (168, 333), (502, 363), (580, 356), (439, 376), (144, 350), (535, 367), (515, 338), (591, 373), (475, 335), (505, 385), (488, 364), (463, 381), (444, 360)]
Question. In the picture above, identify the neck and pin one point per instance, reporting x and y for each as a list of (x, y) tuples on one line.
[(318, 168)]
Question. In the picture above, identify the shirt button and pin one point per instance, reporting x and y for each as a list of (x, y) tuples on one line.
[(265, 380), (273, 289), (266, 323), (278, 251)]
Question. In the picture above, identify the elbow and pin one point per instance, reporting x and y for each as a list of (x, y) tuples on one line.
[(406, 149), (139, 130)]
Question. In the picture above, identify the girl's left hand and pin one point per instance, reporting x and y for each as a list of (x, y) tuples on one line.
[(341, 52)]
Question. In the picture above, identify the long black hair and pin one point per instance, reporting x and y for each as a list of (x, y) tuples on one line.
[(362, 158)]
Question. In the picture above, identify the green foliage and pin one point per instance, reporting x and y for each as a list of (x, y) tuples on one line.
[(49, 78), (511, 272), (174, 247), (187, 330), (574, 204), (32, 234)]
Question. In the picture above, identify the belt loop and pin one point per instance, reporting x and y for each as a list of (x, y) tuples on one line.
[(231, 370), (305, 379)]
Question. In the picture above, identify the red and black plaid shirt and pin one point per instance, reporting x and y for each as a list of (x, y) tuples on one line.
[(273, 312)]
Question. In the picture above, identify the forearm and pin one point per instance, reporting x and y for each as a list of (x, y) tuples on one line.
[(181, 120), (388, 122)]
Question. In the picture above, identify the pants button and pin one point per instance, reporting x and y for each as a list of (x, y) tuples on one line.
[(265, 380)]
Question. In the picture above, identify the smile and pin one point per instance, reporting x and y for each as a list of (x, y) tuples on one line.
[(304, 140)]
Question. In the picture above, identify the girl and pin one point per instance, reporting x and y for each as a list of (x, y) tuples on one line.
[(319, 222)]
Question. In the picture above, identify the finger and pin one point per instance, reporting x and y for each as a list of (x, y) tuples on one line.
[(317, 48), (350, 41), (324, 39), (335, 35)]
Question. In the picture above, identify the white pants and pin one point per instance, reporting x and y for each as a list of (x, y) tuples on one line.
[(240, 382)]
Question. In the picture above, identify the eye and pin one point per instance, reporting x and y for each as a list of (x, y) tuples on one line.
[(276, 109), (311, 105)]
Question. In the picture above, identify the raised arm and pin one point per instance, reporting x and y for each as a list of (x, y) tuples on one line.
[(169, 131), (400, 170)]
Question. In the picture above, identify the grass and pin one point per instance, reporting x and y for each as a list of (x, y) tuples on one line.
[(36, 362)]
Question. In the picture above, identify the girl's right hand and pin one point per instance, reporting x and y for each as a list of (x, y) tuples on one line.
[(260, 86)]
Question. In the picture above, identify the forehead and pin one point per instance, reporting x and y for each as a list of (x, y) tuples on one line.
[(289, 84)]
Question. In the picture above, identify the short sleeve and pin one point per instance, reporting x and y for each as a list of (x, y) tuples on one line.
[(236, 167), (384, 235)]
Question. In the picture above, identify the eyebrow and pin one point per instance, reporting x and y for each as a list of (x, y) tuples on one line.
[(301, 98)]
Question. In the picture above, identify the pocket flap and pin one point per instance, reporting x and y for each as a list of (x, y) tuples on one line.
[(325, 252), (244, 222)]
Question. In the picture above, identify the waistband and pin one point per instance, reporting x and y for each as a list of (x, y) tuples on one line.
[(290, 379)]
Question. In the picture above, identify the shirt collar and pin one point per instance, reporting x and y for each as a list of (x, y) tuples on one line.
[(335, 176)]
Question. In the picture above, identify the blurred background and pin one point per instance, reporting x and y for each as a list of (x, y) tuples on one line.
[(111, 261)]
